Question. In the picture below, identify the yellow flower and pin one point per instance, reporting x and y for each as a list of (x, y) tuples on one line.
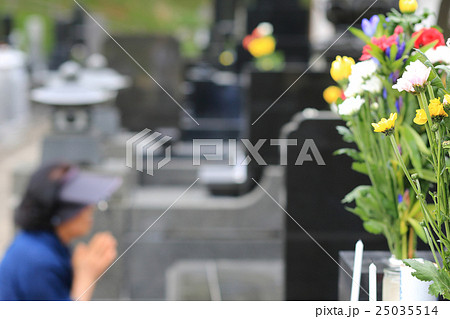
[(341, 68), (436, 109), (421, 117), (332, 94), (385, 126), (408, 6), (262, 46)]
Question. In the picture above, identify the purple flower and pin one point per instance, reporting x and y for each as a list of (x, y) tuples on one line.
[(399, 104), (400, 199), (370, 26), (394, 76), (400, 51), (384, 93)]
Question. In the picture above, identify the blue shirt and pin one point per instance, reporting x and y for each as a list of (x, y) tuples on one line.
[(37, 266)]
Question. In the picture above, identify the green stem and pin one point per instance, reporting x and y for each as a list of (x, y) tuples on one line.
[(432, 249), (424, 106), (414, 186), (402, 164), (405, 246), (431, 92)]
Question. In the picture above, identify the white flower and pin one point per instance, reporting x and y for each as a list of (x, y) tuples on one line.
[(375, 106), (416, 74), (355, 87), (364, 69), (351, 105), (448, 42), (363, 79), (373, 85), (439, 55)]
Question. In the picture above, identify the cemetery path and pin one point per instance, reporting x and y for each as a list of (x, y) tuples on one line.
[(23, 151)]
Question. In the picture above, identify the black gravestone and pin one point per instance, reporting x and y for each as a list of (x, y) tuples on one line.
[(145, 104), (291, 24), (278, 88), (314, 195)]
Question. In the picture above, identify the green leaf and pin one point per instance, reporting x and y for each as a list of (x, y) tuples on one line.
[(376, 52), (425, 174), (418, 229), (425, 48), (357, 192), (360, 168), (359, 212), (446, 69), (360, 34), (410, 44), (433, 74), (415, 137), (427, 271), (394, 50), (373, 227), (350, 152), (411, 150), (347, 135)]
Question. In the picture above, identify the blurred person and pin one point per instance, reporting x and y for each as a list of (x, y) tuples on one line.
[(56, 209)]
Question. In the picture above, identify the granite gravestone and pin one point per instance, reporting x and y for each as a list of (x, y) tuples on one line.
[(314, 194)]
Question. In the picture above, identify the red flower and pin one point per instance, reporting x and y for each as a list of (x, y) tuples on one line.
[(426, 36), (383, 43)]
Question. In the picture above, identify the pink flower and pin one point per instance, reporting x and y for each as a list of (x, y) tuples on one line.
[(404, 85), (383, 43), (416, 75), (398, 30)]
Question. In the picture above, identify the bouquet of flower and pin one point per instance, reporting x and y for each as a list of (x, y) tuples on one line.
[(262, 46), (427, 77), (365, 94)]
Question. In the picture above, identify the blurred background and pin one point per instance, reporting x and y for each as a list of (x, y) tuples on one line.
[(69, 91)]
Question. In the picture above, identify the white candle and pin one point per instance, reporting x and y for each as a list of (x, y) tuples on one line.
[(357, 264), (372, 282)]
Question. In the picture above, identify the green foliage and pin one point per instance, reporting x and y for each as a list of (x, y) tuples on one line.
[(169, 17)]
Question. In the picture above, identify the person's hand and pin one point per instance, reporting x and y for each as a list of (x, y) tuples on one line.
[(91, 260)]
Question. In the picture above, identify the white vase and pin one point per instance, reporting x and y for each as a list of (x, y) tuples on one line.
[(400, 285), (391, 284), (411, 288), (391, 280)]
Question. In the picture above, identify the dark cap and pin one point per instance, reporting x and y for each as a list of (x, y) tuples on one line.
[(58, 192)]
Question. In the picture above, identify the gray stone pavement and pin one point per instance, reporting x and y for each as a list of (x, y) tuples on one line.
[(20, 150)]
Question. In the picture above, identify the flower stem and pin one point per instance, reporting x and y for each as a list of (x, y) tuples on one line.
[(417, 191), (424, 106)]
